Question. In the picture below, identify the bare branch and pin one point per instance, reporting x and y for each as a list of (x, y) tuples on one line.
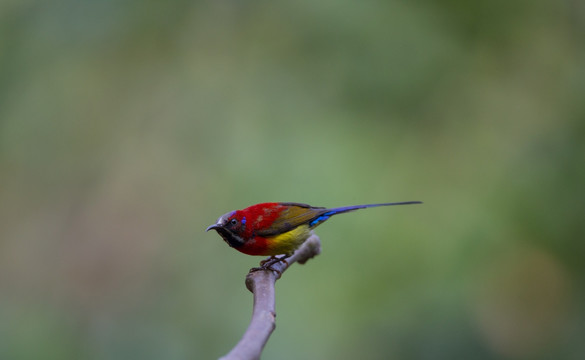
[(261, 284)]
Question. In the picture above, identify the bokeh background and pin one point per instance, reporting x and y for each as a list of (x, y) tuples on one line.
[(127, 127)]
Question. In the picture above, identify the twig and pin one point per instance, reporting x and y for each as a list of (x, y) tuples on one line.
[(261, 284)]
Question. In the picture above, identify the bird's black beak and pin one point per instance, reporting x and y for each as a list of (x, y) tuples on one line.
[(212, 227)]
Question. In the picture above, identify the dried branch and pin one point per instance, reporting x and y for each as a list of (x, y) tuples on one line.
[(261, 284)]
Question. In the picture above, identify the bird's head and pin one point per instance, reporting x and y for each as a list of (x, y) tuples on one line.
[(230, 227)]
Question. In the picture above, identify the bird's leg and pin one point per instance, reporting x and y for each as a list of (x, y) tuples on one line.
[(266, 264), (278, 272), (276, 260), (267, 260), (283, 259)]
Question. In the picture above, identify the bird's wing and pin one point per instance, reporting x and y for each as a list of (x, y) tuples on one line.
[(293, 215)]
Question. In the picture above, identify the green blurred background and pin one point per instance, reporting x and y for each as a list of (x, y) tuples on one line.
[(127, 127)]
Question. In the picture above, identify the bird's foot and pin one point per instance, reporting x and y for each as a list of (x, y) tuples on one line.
[(254, 269), (269, 260), (266, 264)]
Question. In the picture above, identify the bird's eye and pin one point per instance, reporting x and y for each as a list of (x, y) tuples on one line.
[(233, 221)]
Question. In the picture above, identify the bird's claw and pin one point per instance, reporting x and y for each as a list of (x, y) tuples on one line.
[(263, 262), (266, 264), (269, 267)]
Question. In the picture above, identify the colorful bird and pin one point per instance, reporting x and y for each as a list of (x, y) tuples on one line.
[(277, 228)]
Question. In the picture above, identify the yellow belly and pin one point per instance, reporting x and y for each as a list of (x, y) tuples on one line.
[(288, 242)]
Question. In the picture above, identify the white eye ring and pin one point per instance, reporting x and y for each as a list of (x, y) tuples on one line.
[(233, 221)]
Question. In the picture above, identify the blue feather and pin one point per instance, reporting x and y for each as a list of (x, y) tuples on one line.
[(320, 219), (343, 209), (356, 207)]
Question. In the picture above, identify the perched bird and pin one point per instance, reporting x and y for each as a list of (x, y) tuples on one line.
[(277, 228)]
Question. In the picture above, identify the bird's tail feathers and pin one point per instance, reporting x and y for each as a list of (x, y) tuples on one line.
[(340, 210)]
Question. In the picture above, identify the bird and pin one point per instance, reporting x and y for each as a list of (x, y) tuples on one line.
[(277, 228)]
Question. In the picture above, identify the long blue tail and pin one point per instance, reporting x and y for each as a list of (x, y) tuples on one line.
[(339, 210)]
